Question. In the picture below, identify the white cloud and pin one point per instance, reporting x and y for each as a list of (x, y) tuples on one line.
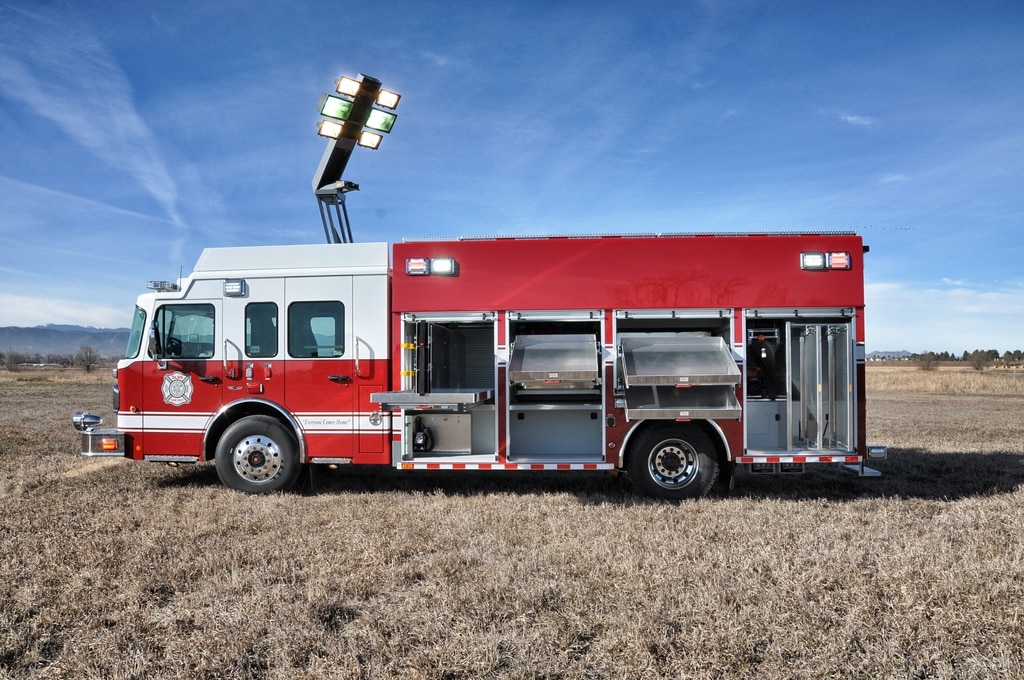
[(953, 317), (852, 119), (25, 310)]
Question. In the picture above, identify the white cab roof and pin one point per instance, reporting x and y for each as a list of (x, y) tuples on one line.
[(347, 258)]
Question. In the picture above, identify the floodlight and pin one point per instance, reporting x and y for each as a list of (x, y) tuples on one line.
[(388, 99), (346, 85), (329, 129), (371, 140), (335, 107), (382, 121)]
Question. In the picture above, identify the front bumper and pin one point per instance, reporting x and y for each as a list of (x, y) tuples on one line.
[(95, 442)]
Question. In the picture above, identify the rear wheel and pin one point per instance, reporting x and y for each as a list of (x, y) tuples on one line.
[(674, 462), (258, 454)]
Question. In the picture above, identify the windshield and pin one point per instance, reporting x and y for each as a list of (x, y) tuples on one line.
[(135, 338)]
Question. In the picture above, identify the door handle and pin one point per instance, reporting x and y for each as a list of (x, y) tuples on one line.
[(339, 378), (358, 340), (212, 379), (230, 373)]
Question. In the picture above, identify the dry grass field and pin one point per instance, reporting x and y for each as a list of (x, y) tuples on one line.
[(119, 570)]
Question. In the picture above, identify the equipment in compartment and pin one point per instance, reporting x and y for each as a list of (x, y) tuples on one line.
[(765, 364)]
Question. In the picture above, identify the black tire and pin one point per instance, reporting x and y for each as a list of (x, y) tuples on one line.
[(258, 454), (674, 462)]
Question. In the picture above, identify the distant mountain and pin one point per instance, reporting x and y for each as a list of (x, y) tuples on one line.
[(78, 329), (62, 339)]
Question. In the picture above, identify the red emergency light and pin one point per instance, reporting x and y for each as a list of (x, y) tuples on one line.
[(425, 266)]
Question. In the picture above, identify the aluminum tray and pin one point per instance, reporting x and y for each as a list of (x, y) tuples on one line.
[(439, 400), (673, 403), (670, 359), (544, 361)]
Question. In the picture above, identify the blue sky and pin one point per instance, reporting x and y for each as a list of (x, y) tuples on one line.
[(134, 134)]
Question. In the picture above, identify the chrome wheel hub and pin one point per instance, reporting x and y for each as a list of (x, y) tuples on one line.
[(257, 458), (674, 464)]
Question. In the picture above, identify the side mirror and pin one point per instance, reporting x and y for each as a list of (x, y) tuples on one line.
[(155, 347)]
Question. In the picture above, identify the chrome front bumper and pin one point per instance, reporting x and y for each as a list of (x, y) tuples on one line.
[(96, 443)]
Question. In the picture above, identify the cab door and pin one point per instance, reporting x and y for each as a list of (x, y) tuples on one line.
[(253, 342), (321, 362), (182, 379)]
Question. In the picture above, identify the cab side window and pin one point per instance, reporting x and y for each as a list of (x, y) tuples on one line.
[(186, 331), (316, 329), (261, 330)]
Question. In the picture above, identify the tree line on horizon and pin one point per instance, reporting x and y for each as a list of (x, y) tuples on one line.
[(978, 359), (86, 357)]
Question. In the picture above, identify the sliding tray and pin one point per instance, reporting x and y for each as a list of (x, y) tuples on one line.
[(678, 403), (458, 401), (677, 376), (675, 359), (543, 362)]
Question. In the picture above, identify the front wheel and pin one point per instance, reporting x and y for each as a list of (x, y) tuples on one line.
[(258, 454), (674, 462)]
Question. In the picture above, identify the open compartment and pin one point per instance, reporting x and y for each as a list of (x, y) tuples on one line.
[(800, 381), (676, 364), (448, 385), (447, 364), (555, 379)]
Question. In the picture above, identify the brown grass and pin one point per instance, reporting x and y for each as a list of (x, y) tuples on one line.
[(945, 379), (124, 570)]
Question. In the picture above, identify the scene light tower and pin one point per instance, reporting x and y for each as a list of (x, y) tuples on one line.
[(351, 117)]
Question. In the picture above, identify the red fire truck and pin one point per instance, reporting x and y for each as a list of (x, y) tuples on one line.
[(669, 358)]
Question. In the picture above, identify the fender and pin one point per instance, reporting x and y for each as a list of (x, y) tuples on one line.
[(629, 435), (229, 413)]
